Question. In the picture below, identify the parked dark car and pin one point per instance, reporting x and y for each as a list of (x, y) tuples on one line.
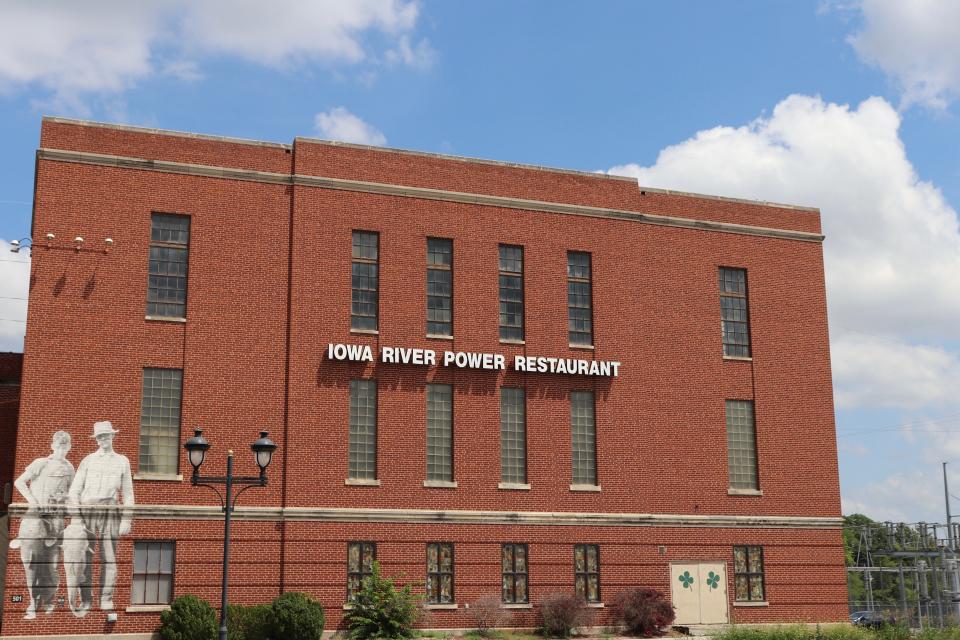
[(872, 619)]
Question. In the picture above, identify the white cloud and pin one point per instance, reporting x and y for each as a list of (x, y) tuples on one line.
[(876, 372), (281, 32), (901, 497), (14, 285), (893, 245), (420, 56), (340, 124), (73, 49), (916, 44)]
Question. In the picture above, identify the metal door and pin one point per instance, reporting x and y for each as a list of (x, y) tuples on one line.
[(699, 592)]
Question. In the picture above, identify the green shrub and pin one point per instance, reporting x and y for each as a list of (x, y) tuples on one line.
[(642, 611), (805, 632), (561, 613), (189, 618), (247, 622), (295, 616), (381, 611)]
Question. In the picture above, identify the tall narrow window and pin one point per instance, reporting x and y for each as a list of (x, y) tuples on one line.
[(363, 429), (741, 445), (584, 431), (734, 312), (152, 581), (586, 571), (360, 558), (440, 432), (439, 287), (511, 292), (579, 298), (513, 435), (160, 421), (440, 573), (167, 282), (748, 574), (365, 281), (513, 559)]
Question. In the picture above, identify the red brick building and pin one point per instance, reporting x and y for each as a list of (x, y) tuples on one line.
[(654, 406)]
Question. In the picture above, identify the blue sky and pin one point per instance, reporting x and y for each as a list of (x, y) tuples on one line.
[(851, 106)]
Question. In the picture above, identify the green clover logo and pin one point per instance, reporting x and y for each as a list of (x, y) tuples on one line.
[(686, 579), (713, 580)]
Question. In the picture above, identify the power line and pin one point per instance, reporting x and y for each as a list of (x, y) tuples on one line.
[(10, 320), (947, 418)]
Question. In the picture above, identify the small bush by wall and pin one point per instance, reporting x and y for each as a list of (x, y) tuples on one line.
[(488, 614), (561, 613), (381, 611), (642, 611), (189, 618), (295, 616)]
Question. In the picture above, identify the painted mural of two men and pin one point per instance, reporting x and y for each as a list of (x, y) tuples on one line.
[(91, 497)]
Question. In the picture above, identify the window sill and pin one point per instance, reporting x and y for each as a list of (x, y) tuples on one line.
[(585, 487), (159, 477), (147, 608), (744, 492), (502, 341), (594, 605), (361, 482), (588, 347), (440, 484), (518, 605), (755, 603), (514, 486), (441, 607), (433, 336), (369, 332), (164, 319), (347, 607), (739, 358)]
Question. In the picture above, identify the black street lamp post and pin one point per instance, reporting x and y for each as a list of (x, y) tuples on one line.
[(196, 447)]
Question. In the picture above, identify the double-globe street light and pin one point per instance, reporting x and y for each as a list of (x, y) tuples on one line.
[(196, 447)]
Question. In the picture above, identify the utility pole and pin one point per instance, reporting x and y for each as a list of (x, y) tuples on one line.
[(950, 566), (946, 498)]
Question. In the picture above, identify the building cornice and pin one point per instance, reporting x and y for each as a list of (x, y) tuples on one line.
[(423, 193), (429, 516)]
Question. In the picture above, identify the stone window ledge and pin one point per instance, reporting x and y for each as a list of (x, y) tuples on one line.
[(441, 607), (585, 487), (739, 358), (744, 492), (164, 319), (754, 603), (518, 605), (515, 486), (361, 482), (595, 605), (440, 484), (162, 477), (147, 608)]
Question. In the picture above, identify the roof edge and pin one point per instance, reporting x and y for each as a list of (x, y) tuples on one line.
[(165, 132), (455, 158), (765, 203), (428, 154)]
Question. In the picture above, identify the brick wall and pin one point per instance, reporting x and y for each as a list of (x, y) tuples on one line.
[(661, 437), (10, 367)]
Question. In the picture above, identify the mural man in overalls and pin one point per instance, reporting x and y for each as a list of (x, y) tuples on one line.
[(44, 484), (101, 478)]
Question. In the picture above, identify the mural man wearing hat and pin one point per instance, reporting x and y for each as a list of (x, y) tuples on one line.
[(101, 477)]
